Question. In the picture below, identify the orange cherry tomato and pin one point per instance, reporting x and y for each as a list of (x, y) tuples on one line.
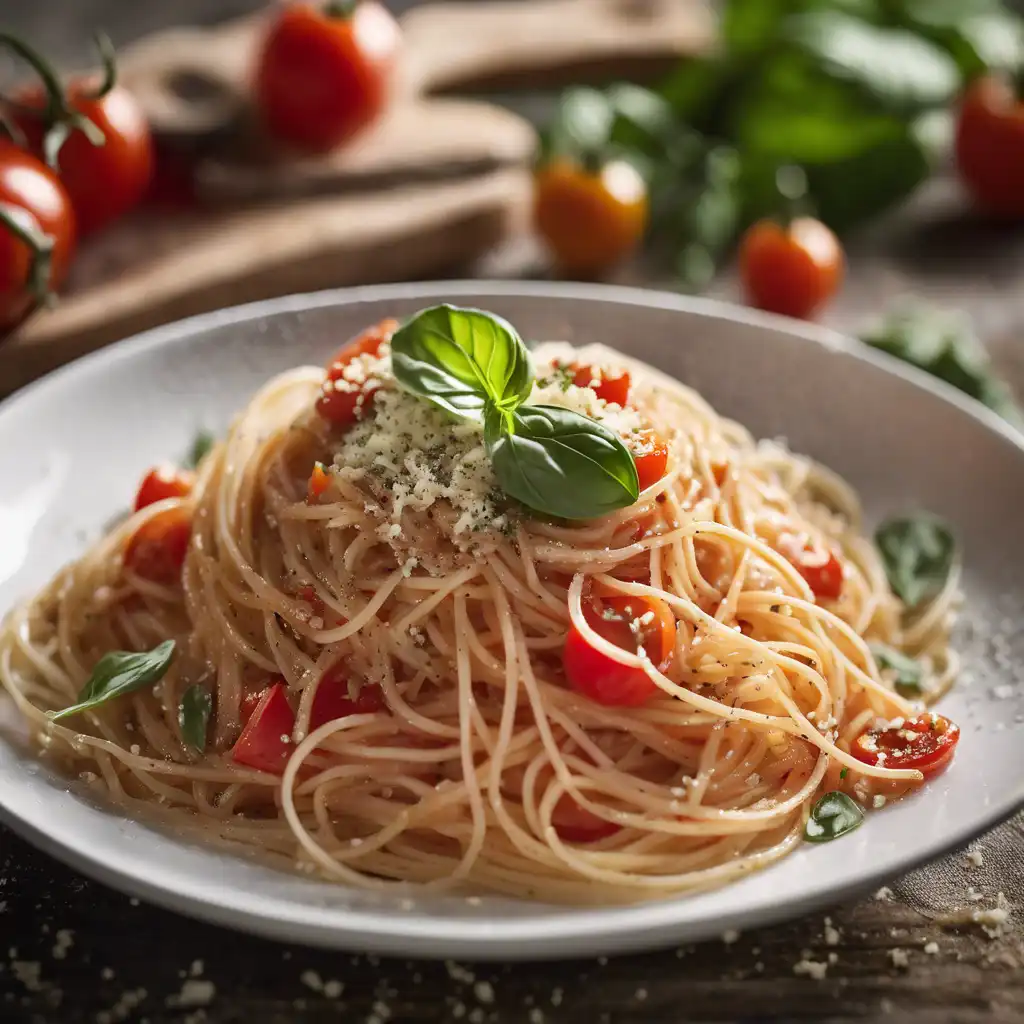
[(651, 458), (266, 743), (926, 742), (319, 481), (575, 824), (325, 73), (820, 568), (990, 145), (612, 388), (589, 220), (342, 402), (791, 269), (157, 549), (164, 482), (629, 623)]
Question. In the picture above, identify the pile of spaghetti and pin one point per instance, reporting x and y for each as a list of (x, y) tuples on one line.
[(387, 668)]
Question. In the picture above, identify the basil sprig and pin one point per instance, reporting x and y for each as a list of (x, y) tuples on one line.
[(834, 815), (918, 554), (474, 365), (908, 671), (118, 673), (201, 445), (194, 716)]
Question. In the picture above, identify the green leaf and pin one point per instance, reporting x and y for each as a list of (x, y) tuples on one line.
[(461, 359), (118, 673), (194, 716), (202, 443), (834, 815), (918, 554), (561, 463), (581, 127), (908, 671)]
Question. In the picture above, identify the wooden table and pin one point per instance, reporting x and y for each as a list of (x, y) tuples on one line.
[(79, 952)]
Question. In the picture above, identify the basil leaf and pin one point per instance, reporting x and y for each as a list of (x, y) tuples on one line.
[(908, 670), (918, 555), (561, 463), (461, 359), (201, 445), (832, 816), (194, 716), (118, 673)]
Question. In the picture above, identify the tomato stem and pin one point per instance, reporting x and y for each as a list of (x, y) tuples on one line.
[(108, 60), (24, 226), (343, 9)]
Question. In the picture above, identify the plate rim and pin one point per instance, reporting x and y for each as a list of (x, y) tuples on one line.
[(566, 931)]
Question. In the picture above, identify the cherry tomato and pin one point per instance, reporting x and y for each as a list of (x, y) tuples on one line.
[(600, 677), (157, 549), (319, 481), (651, 458), (266, 743), (589, 220), (333, 700), (612, 388), (791, 269), (575, 824), (37, 233), (820, 568), (926, 742), (990, 145), (164, 482), (325, 73), (342, 402)]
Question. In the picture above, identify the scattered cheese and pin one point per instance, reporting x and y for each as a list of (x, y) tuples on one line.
[(811, 968), (976, 857), (899, 957)]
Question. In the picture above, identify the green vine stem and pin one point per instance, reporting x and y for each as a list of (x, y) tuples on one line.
[(342, 9), (24, 226)]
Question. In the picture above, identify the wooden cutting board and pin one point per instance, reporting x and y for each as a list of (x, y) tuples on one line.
[(437, 183)]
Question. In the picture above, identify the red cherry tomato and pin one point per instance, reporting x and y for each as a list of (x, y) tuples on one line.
[(333, 700), (342, 402), (990, 145), (575, 824), (35, 202), (609, 388), (599, 676), (325, 73), (266, 743), (820, 568), (157, 549), (791, 269), (651, 458), (926, 743), (164, 482)]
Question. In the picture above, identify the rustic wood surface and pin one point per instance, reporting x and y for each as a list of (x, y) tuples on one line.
[(74, 951)]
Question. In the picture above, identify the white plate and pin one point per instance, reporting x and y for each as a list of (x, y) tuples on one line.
[(73, 446)]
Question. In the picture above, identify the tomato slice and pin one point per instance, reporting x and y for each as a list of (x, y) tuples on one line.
[(343, 402), (575, 824), (319, 481), (333, 700), (608, 387), (651, 457), (164, 482), (820, 568), (157, 549), (629, 623), (266, 741), (926, 742)]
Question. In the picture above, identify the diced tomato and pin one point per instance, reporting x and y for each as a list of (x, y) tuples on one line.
[(164, 482), (719, 470), (319, 481), (342, 402), (610, 387), (575, 824), (158, 547), (820, 568), (248, 703), (651, 458), (926, 742), (307, 592), (600, 677), (332, 699), (266, 741)]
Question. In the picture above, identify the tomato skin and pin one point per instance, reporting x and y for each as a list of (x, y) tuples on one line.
[(792, 270), (589, 221), (341, 403), (651, 458), (575, 824), (821, 569), (989, 146), (930, 752), (261, 745), (600, 677), (611, 389), (157, 549), (163, 482), (319, 481), (324, 77), (31, 193), (103, 181), (332, 699)]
